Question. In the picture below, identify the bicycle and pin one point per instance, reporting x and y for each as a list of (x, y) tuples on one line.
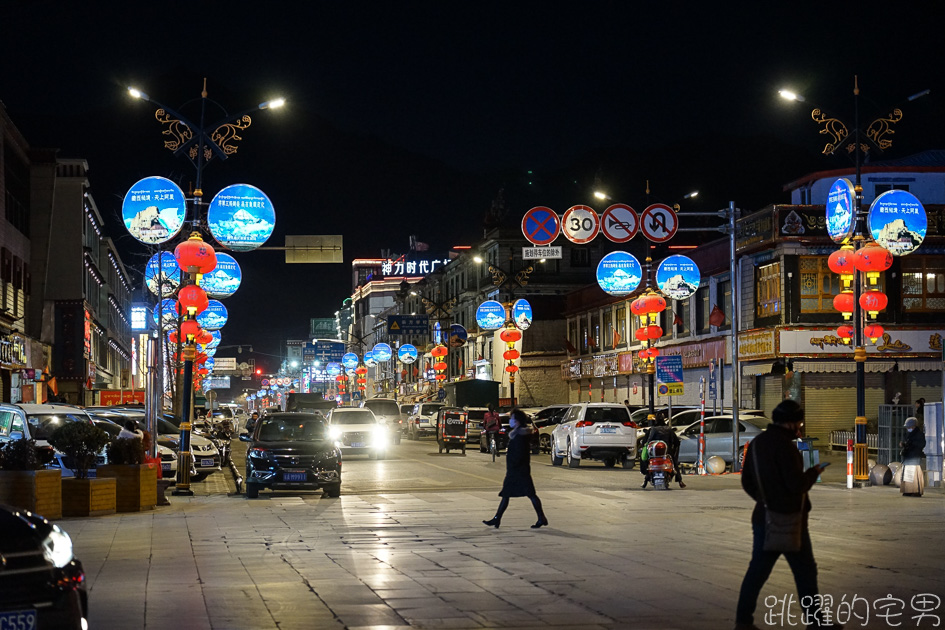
[(493, 447)]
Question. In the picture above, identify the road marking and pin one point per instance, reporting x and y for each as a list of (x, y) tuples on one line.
[(453, 470)]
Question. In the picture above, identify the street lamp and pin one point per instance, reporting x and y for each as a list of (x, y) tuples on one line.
[(875, 139)]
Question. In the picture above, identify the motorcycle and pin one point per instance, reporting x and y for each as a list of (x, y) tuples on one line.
[(221, 434), (660, 464)]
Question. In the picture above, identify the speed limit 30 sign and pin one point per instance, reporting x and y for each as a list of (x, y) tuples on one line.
[(580, 224)]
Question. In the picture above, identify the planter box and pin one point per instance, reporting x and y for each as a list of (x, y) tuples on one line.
[(135, 485), (38, 491), (88, 497)]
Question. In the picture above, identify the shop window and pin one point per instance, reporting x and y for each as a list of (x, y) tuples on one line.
[(585, 340), (609, 329), (819, 285), (621, 325), (573, 335), (768, 290), (923, 284), (723, 297), (703, 308), (681, 319)]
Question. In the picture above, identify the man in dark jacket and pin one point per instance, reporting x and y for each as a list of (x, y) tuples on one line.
[(774, 462)]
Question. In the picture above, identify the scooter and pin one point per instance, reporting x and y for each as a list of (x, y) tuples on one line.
[(660, 464)]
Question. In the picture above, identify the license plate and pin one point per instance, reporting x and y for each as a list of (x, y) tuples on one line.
[(18, 620), (293, 476), (206, 462), (608, 429), (357, 445), (166, 467)]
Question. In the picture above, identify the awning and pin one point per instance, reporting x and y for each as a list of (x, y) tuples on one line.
[(757, 369), (873, 366)]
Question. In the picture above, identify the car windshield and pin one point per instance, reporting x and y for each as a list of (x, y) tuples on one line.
[(43, 425), (759, 421), (292, 429), (426, 410), (383, 407), (607, 414), (166, 427), (110, 428), (355, 416)]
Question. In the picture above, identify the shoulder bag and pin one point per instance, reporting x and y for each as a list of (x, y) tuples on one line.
[(782, 529)]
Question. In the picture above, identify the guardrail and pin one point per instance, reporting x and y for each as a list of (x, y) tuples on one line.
[(838, 440)]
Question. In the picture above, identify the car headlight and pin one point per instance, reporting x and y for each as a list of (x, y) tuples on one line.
[(335, 432), (380, 433), (57, 547), (259, 453)]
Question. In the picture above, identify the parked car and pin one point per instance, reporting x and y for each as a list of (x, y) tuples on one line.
[(166, 454), (719, 438), (476, 415), (42, 584), (206, 457), (545, 420), (685, 418), (43, 419), (357, 431), (292, 451), (387, 411), (595, 431), (422, 420)]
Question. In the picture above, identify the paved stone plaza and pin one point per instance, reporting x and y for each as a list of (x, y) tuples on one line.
[(610, 559)]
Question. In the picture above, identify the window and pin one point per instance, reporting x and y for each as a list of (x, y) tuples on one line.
[(580, 257), (768, 290), (819, 285), (622, 326), (723, 296), (923, 283), (682, 313), (585, 337), (702, 309), (573, 334), (609, 329)]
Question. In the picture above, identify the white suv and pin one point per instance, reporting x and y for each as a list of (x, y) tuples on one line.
[(422, 420), (387, 411), (356, 431), (599, 431)]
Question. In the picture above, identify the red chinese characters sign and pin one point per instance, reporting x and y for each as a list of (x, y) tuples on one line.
[(110, 397)]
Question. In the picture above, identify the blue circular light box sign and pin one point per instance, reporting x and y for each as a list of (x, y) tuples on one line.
[(350, 360), (678, 277), (225, 278), (458, 336), (619, 273), (153, 210), (369, 359), (490, 315), (210, 351), (214, 316), (382, 352), (407, 353), (217, 338), (841, 210), (522, 314), (209, 363), (897, 222), (168, 309), (161, 274), (241, 217), (333, 369)]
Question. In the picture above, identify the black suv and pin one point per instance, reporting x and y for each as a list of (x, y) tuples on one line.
[(292, 451)]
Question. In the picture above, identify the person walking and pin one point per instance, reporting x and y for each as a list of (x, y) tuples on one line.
[(773, 475), (913, 481), (518, 475)]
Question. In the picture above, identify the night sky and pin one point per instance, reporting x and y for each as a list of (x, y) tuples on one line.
[(408, 118)]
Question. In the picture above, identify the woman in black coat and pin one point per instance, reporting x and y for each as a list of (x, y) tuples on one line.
[(518, 476)]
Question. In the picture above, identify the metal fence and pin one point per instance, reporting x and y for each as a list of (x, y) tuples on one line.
[(891, 431)]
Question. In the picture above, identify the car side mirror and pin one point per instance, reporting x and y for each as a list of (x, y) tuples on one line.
[(245, 437), (16, 435)]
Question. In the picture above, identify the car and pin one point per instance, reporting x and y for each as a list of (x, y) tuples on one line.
[(422, 419), (166, 454), (685, 418), (42, 584), (357, 431), (476, 416), (595, 431), (545, 420), (43, 419), (387, 410), (718, 437), (292, 451)]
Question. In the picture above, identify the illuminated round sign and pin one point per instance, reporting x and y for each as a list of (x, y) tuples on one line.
[(522, 314), (168, 309), (162, 271), (382, 352), (350, 360), (209, 351), (458, 336), (241, 217), (841, 210), (407, 353), (490, 315), (225, 278), (209, 363), (154, 210), (369, 359), (678, 277), (333, 369), (898, 222), (217, 338), (619, 273), (214, 316)]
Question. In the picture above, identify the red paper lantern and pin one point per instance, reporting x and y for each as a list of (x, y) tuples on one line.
[(195, 256), (654, 352), (845, 331), (644, 354), (511, 355), (873, 258), (173, 337), (511, 368), (873, 302), (200, 357), (654, 332), (202, 371), (873, 332), (844, 303), (360, 370), (439, 366), (640, 334), (192, 299), (203, 337), (841, 261), (510, 335), (340, 378), (441, 377), (439, 351), (654, 303), (637, 306), (361, 381), (189, 328)]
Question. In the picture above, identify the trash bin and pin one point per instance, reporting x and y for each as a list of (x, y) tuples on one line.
[(809, 455)]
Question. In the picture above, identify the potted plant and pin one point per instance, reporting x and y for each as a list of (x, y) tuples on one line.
[(25, 484), (136, 480), (80, 442)]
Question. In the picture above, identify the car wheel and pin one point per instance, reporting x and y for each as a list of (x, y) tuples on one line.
[(333, 490), (626, 462), (610, 462), (198, 477), (544, 441), (573, 462), (556, 460), (252, 491)]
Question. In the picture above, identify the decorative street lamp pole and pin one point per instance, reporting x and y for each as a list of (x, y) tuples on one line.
[(510, 334)]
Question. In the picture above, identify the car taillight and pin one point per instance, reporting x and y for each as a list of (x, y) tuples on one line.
[(630, 423), (584, 423)]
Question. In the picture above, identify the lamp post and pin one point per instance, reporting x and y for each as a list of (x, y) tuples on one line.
[(874, 139), (509, 280), (199, 142)]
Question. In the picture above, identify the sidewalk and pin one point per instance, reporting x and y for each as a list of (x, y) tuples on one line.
[(610, 559)]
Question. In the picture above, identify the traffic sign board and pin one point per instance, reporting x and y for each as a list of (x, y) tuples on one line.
[(619, 223), (659, 223), (540, 225), (669, 368), (580, 224)]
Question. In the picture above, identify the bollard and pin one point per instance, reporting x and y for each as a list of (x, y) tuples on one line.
[(850, 464)]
